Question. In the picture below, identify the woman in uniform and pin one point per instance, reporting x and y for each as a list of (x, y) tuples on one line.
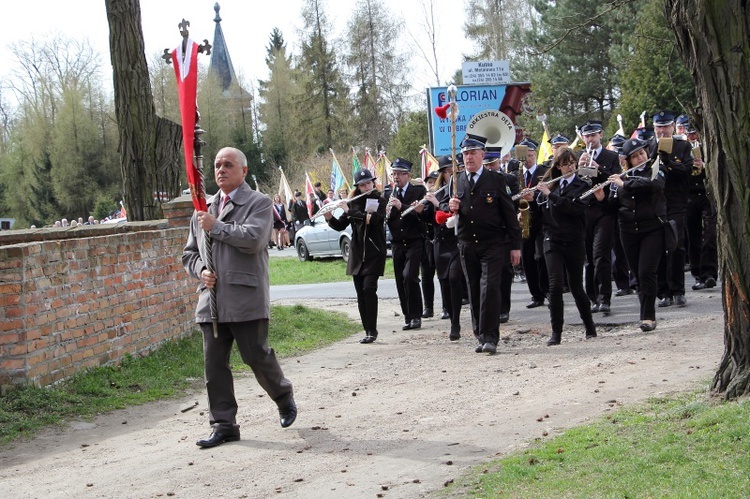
[(642, 211), (564, 234), (367, 254)]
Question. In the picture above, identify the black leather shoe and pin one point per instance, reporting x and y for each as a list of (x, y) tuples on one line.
[(445, 315), (594, 308), (535, 303), (710, 282), (489, 348), (217, 438), (554, 339), (665, 302), (287, 412), (590, 335), (413, 324), (647, 326), (455, 332), (370, 337), (427, 313), (680, 300), (623, 292), (479, 347), (604, 308), (504, 318), (464, 301), (699, 285)]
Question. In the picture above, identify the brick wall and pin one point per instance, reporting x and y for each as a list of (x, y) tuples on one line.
[(89, 297)]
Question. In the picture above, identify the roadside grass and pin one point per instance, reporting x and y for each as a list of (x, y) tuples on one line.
[(166, 373), (292, 271), (687, 446)]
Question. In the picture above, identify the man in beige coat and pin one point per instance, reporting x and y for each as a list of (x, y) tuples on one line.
[(239, 232)]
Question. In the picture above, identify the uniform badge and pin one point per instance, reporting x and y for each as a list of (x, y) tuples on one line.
[(507, 190), (489, 199)]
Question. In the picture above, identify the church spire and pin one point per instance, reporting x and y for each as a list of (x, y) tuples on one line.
[(221, 63)]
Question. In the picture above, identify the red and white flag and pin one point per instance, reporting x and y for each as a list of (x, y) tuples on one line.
[(310, 193), (186, 71)]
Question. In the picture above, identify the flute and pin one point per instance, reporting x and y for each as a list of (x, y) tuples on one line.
[(332, 206), (548, 183), (421, 201), (606, 183)]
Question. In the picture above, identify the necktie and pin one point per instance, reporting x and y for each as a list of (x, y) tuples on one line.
[(224, 201), (471, 179), (563, 185), (400, 194), (528, 178)]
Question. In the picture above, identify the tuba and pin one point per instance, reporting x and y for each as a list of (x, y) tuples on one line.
[(496, 126)]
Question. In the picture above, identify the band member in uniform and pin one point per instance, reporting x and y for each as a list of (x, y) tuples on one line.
[(427, 265), (558, 141), (642, 210), (367, 254), (600, 218), (492, 163), (488, 235), (564, 216), (447, 260), (407, 241), (677, 162), (624, 279), (531, 247), (701, 221)]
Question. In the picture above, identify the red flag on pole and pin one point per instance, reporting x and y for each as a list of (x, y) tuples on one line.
[(310, 193), (186, 70)]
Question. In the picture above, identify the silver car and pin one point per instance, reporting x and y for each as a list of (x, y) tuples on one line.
[(319, 240)]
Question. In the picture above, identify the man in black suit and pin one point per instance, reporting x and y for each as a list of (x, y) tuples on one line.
[(300, 216), (407, 241), (598, 163), (488, 236), (675, 157), (532, 255)]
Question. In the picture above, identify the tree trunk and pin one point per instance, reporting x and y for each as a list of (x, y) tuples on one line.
[(147, 148), (714, 42)]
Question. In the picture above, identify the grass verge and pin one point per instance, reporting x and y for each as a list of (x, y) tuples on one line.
[(166, 372), (689, 446), (292, 271)]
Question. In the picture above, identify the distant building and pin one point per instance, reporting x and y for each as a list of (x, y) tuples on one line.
[(7, 223), (221, 63)]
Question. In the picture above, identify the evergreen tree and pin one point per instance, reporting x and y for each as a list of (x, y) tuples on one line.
[(412, 134)]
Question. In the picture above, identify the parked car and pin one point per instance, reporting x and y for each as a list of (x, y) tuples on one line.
[(319, 240)]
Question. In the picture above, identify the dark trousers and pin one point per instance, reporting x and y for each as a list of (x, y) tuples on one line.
[(701, 231), (252, 343), (506, 283), (671, 272), (621, 274), (561, 258), (644, 251), (483, 263), (428, 275), (452, 290), (407, 257), (534, 267), (599, 241), (366, 287)]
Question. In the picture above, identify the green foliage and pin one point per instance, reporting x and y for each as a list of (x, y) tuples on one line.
[(165, 373), (411, 136), (292, 271), (684, 447)]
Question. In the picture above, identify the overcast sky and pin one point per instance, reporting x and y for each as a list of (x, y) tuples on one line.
[(246, 25)]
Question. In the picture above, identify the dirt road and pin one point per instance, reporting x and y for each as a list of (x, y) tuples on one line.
[(399, 417)]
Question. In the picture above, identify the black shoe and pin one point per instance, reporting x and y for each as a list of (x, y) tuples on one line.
[(647, 326), (535, 303), (427, 313), (445, 315), (479, 347), (504, 318), (554, 339), (699, 285), (217, 438), (413, 324), (665, 302), (680, 300), (595, 308), (370, 336), (624, 292), (489, 348), (710, 282), (590, 335), (287, 411), (464, 301), (455, 332), (604, 308)]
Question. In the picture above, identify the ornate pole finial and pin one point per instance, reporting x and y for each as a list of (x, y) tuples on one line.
[(217, 18)]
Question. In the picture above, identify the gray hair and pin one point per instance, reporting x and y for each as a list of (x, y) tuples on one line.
[(239, 155)]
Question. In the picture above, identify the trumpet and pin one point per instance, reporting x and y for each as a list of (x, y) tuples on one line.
[(331, 207), (421, 201), (589, 170), (548, 183)]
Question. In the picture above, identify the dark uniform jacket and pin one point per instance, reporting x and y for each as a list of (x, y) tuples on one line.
[(609, 164), (487, 213), (368, 251), (641, 201), (677, 166), (536, 215), (564, 213), (410, 227), (299, 212)]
